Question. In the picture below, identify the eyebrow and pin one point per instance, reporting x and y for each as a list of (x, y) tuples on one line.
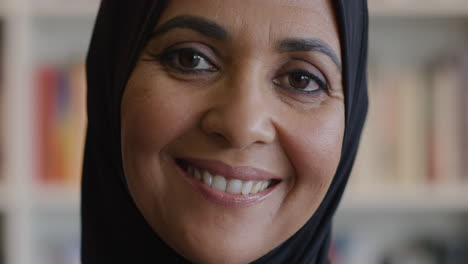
[(296, 44), (196, 23), (215, 31)]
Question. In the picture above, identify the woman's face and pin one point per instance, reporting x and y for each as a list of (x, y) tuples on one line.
[(232, 124)]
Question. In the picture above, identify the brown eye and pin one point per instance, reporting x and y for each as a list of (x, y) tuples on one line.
[(298, 80), (302, 81), (188, 60)]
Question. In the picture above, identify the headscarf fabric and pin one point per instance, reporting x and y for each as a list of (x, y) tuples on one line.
[(113, 229)]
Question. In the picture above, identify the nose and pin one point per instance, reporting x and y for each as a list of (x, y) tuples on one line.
[(241, 115)]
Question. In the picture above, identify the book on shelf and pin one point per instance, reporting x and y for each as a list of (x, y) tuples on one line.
[(447, 132), (61, 122), (411, 145), (374, 164), (417, 127), (393, 142)]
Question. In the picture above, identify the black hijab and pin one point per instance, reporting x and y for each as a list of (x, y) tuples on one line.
[(113, 229)]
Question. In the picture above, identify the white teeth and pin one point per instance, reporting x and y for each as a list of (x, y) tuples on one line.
[(264, 185), (234, 186), (247, 187), (256, 187), (207, 178), (219, 183), (197, 174)]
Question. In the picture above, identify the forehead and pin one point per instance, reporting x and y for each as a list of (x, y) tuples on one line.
[(264, 21)]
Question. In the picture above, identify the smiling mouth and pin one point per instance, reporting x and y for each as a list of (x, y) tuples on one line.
[(243, 181)]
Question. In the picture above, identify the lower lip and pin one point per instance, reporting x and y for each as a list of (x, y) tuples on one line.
[(225, 199)]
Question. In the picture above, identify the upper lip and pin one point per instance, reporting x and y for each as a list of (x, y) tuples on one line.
[(244, 173)]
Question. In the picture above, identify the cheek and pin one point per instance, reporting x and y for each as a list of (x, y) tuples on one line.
[(312, 143), (151, 119), (313, 146), (150, 116)]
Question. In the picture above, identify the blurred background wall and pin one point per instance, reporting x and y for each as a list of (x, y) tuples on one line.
[(407, 201)]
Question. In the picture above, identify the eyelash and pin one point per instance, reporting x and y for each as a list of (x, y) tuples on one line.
[(167, 59)]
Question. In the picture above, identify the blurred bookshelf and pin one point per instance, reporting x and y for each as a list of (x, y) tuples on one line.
[(407, 200), (409, 186), (43, 119)]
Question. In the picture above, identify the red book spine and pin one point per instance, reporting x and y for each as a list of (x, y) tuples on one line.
[(46, 97)]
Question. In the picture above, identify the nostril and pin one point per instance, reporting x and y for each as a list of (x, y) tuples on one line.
[(220, 137)]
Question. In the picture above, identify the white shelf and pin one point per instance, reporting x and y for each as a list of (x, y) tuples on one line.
[(56, 198), (61, 9), (424, 198), (65, 11), (43, 197), (421, 9), (420, 198)]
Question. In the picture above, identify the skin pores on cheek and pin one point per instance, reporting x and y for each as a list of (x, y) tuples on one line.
[(241, 110)]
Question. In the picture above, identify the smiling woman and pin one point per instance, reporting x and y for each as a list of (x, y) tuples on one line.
[(231, 124)]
